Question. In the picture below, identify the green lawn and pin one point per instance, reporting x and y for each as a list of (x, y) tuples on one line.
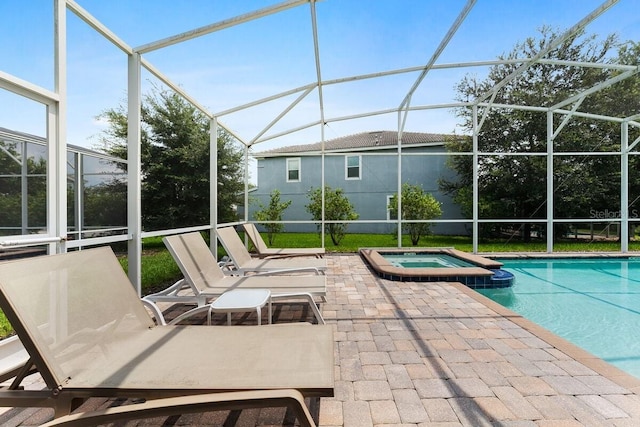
[(159, 270)]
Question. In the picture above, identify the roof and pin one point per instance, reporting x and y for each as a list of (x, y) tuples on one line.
[(361, 141), (35, 139)]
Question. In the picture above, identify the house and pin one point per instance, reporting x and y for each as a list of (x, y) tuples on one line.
[(365, 166)]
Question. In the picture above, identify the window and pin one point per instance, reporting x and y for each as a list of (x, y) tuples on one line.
[(293, 169), (352, 167), (391, 216)]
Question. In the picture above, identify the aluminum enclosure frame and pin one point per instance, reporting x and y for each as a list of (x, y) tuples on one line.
[(56, 104)]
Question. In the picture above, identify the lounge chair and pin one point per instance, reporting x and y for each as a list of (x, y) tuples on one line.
[(89, 335), (243, 262), (264, 251), (205, 280)]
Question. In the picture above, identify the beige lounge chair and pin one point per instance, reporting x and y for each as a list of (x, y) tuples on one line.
[(244, 263), (89, 335), (264, 251), (205, 280)]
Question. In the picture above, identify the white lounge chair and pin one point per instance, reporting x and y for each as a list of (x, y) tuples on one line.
[(205, 280), (89, 335), (264, 251), (244, 263)]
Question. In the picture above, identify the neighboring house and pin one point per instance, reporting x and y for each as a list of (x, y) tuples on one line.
[(365, 166)]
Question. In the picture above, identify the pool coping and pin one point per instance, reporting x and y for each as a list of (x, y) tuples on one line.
[(385, 269), (582, 356), (558, 255)]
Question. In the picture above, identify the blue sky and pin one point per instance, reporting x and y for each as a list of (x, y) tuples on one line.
[(273, 54)]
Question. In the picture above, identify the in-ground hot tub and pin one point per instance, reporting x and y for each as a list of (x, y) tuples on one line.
[(437, 265)]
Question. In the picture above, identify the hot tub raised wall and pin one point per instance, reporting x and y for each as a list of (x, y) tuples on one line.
[(487, 273)]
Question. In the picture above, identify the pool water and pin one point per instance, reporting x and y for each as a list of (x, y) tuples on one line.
[(425, 260), (593, 303)]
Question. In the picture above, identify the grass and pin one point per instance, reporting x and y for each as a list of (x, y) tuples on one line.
[(352, 242), (159, 270), (5, 327)]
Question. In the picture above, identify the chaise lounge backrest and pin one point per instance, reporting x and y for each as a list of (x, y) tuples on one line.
[(63, 326), (256, 238), (234, 246), (197, 264)]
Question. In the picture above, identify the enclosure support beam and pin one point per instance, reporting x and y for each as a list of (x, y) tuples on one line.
[(316, 52), (24, 189), (399, 186), (27, 89), (543, 52), (57, 135), (78, 199), (213, 184), (98, 26), (475, 178), (134, 171), (549, 182), (246, 184), (596, 88), (624, 187), (227, 23), (404, 105), (281, 115), (568, 117)]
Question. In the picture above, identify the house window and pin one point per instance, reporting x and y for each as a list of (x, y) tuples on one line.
[(391, 216), (352, 167), (293, 169)]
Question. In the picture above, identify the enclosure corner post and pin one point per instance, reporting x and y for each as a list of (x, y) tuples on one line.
[(134, 171), (624, 187), (213, 184), (549, 181)]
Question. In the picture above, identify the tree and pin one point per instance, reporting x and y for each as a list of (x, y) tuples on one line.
[(515, 186), (273, 212), (336, 208), (105, 204), (623, 98), (12, 198), (175, 162), (416, 205)]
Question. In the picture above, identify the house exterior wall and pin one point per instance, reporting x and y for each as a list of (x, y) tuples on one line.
[(368, 194)]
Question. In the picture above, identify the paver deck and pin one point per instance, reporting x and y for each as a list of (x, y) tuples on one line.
[(432, 354)]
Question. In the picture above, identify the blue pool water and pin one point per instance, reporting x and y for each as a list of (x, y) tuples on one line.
[(425, 260), (592, 303)]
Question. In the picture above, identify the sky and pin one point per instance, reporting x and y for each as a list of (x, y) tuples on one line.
[(273, 54)]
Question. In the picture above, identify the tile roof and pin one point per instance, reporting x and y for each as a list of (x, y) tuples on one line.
[(362, 140)]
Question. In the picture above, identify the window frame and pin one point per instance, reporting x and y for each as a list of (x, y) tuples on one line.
[(288, 169), (346, 167)]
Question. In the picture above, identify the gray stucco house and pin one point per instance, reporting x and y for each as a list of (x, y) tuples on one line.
[(365, 166)]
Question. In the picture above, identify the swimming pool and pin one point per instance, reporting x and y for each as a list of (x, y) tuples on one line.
[(593, 303)]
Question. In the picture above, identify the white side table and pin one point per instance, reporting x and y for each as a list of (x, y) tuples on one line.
[(243, 300)]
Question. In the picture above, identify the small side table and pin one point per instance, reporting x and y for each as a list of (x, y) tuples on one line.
[(242, 300)]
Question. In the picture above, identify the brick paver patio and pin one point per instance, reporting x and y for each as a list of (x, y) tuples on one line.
[(432, 354), (436, 354)]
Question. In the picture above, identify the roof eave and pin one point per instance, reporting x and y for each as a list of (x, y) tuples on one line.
[(346, 150)]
